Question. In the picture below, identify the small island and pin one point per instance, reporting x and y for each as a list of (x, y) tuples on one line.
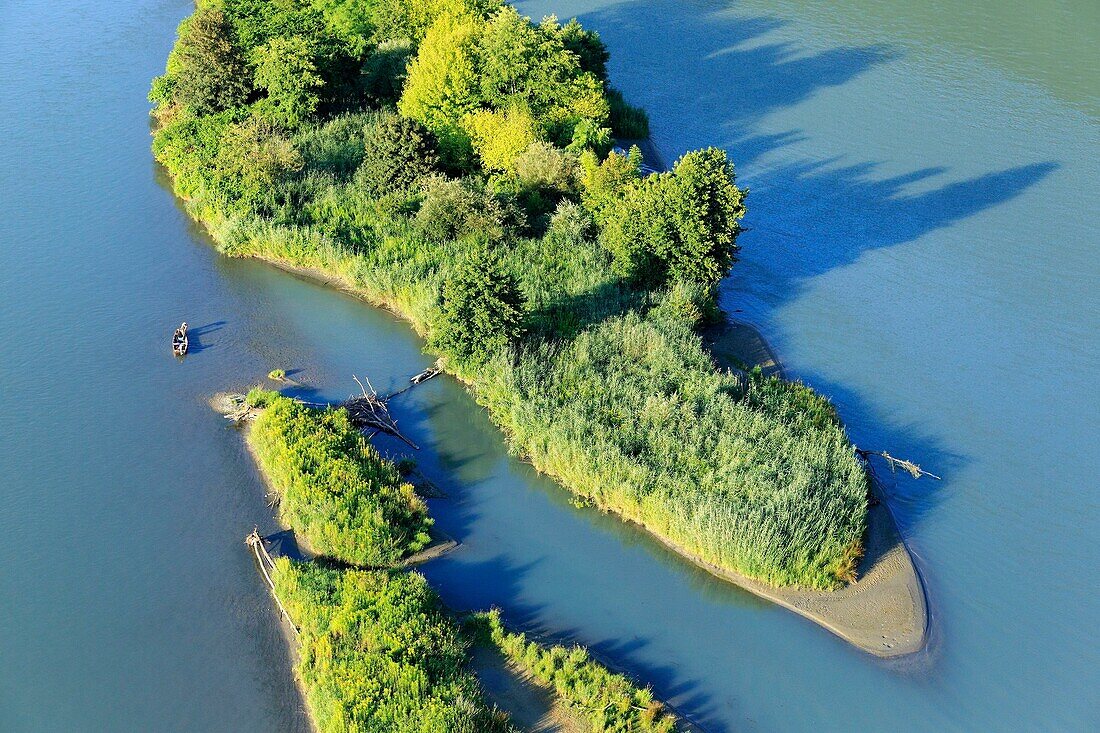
[(376, 649), (464, 167)]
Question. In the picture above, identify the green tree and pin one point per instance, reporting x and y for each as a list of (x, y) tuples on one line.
[(253, 157), (707, 206), (286, 69), (679, 226), (530, 66), (402, 19), (442, 84), (208, 72), (396, 153), (500, 137), (480, 312), (589, 49)]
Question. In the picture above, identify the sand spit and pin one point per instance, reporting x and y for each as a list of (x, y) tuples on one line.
[(884, 612)]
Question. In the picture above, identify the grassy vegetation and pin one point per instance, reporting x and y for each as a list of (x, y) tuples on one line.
[(345, 500), (608, 702), (380, 653), (450, 160)]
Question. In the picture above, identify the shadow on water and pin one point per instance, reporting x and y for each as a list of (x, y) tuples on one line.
[(195, 334), (715, 89)]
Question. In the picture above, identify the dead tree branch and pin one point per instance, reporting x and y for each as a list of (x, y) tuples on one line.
[(895, 463)]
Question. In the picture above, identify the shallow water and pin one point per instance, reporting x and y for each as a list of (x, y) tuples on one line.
[(921, 249)]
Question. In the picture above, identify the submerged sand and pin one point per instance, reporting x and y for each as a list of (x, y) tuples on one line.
[(884, 611)]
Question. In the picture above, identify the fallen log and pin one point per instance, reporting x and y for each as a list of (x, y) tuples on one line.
[(894, 463)]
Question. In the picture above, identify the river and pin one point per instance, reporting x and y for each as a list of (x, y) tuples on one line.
[(922, 248)]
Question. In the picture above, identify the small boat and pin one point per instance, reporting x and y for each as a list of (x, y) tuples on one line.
[(179, 340)]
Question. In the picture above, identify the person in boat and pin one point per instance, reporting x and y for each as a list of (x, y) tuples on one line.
[(179, 338)]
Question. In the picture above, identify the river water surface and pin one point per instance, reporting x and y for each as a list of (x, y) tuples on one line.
[(922, 248)]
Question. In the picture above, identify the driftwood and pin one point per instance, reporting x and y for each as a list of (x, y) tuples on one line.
[(433, 371), (369, 411), (894, 463), (256, 543)]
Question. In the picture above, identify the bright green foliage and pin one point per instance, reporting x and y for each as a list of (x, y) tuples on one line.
[(345, 500), (442, 83), (379, 653), (529, 66), (285, 68), (680, 225), (411, 19), (480, 311), (210, 73), (606, 181), (397, 152), (608, 388), (632, 414), (608, 702), (499, 137)]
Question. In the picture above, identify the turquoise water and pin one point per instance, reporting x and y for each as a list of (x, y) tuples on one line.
[(922, 249)]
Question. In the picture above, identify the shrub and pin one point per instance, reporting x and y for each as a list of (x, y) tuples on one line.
[(456, 208), (335, 147), (544, 166), (396, 153), (480, 310), (345, 500), (384, 72), (253, 157), (379, 653)]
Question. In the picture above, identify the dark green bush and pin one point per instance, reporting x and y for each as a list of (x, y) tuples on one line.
[(480, 310), (459, 208), (627, 121), (397, 152), (210, 73)]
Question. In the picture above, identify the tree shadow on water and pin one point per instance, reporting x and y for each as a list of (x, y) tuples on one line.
[(710, 75)]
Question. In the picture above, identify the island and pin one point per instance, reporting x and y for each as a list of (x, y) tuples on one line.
[(472, 171)]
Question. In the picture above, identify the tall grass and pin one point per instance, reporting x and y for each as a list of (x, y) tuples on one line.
[(607, 702), (345, 500)]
